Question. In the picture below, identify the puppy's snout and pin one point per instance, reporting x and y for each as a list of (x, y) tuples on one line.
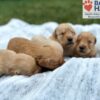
[(82, 48), (70, 39)]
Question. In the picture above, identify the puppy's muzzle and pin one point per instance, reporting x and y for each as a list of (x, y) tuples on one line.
[(82, 49), (70, 41)]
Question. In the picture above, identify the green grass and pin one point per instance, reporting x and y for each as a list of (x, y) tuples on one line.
[(40, 11)]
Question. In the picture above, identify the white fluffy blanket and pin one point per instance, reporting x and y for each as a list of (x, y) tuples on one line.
[(77, 79)]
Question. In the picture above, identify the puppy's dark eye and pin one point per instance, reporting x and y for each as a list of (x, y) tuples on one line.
[(62, 33), (89, 41)]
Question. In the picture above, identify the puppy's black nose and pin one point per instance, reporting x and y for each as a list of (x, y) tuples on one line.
[(70, 39), (81, 48)]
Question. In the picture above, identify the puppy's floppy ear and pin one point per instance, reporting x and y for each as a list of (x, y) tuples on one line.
[(95, 40), (54, 34), (78, 36)]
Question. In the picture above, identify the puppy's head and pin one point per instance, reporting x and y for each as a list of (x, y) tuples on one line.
[(65, 35), (85, 43)]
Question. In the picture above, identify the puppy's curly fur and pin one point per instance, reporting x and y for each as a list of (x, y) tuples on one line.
[(85, 45), (66, 36), (21, 64), (48, 53)]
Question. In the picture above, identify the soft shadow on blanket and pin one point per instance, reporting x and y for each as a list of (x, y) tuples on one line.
[(77, 79)]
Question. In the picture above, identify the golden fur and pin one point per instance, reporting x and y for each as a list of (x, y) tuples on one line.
[(85, 45), (66, 36), (21, 64), (48, 53)]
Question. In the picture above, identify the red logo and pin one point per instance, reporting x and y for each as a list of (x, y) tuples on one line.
[(88, 5)]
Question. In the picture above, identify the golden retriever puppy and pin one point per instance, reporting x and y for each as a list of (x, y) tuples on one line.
[(48, 53), (85, 45), (21, 64), (66, 36)]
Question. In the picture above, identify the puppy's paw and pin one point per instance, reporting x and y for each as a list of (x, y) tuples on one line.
[(48, 63)]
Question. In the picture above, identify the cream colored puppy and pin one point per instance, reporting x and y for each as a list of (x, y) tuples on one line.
[(48, 53), (85, 45), (21, 64), (66, 36)]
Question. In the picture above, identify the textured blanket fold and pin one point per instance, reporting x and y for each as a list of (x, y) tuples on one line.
[(77, 79)]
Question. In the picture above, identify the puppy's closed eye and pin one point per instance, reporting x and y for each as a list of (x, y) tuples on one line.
[(62, 33), (90, 42), (73, 32)]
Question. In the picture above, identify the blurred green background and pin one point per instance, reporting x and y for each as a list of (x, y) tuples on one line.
[(40, 11)]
